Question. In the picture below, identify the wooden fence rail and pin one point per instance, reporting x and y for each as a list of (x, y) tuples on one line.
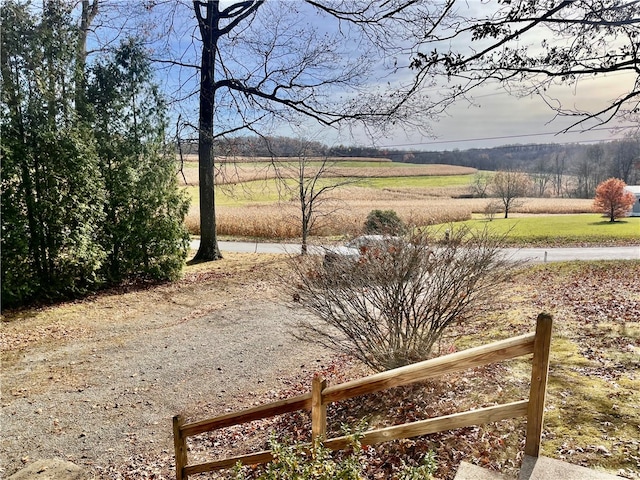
[(320, 396)]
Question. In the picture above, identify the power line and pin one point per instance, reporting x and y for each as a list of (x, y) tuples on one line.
[(501, 137)]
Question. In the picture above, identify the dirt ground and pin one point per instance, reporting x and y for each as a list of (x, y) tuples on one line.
[(97, 382)]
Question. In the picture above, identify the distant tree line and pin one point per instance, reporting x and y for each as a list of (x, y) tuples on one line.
[(257, 146), (89, 190), (589, 164), (572, 170)]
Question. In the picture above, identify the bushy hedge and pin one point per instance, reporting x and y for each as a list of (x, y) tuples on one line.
[(89, 194)]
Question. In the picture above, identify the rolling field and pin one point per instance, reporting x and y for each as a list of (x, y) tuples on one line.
[(263, 171), (252, 203)]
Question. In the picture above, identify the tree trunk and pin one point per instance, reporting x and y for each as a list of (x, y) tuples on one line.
[(303, 207), (305, 235), (89, 12), (208, 249)]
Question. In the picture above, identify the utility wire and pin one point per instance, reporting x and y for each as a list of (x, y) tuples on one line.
[(501, 137)]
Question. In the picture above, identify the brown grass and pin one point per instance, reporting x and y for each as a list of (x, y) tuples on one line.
[(232, 173), (555, 205), (351, 205), (282, 221), (409, 171)]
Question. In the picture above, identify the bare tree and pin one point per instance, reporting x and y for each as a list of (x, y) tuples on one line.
[(540, 181), (310, 182), (389, 307), (491, 209), (558, 169), (509, 186), (262, 63), (541, 176), (589, 170), (88, 13), (480, 184), (625, 155)]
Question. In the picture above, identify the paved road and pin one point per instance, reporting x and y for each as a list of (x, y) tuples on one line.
[(566, 254), (531, 254)]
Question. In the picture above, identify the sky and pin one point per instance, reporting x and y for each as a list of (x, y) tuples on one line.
[(493, 118), (497, 118)]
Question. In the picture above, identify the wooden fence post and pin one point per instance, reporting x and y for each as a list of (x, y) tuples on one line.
[(538, 389), (180, 445), (318, 409)]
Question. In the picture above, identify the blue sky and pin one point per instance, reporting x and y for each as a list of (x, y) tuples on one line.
[(493, 118)]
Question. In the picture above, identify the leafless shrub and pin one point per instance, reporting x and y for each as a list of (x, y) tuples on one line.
[(392, 304)]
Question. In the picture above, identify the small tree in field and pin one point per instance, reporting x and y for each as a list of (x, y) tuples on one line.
[(612, 199), (390, 306), (310, 183), (509, 187)]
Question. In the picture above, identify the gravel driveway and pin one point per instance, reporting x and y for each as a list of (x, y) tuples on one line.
[(108, 392)]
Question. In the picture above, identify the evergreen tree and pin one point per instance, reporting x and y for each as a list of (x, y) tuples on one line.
[(89, 195), (143, 235), (51, 188)]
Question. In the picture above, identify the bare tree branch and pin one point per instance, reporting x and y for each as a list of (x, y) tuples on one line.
[(528, 47)]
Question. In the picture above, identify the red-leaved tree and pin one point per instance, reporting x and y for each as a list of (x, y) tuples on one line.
[(612, 199)]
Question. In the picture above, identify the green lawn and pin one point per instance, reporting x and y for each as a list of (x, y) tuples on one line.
[(558, 229), (238, 195)]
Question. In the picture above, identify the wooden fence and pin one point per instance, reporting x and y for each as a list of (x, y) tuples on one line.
[(321, 395)]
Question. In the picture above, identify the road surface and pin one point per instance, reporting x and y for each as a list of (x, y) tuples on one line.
[(531, 254)]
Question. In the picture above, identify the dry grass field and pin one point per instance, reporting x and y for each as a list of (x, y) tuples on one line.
[(250, 203), (349, 211)]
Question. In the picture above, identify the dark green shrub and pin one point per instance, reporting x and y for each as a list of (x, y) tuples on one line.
[(384, 222), (144, 234), (51, 187)]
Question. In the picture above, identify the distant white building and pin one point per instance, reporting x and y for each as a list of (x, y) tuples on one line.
[(635, 189)]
